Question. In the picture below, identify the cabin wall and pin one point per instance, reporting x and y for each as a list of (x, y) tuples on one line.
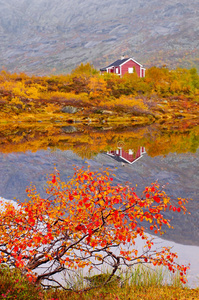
[(143, 72), (130, 64)]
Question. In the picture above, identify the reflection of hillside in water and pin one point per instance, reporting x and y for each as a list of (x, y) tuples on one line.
[(89, 140), (126, 156)]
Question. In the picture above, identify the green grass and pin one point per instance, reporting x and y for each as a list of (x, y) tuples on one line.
[(15, 286), (140, 283)]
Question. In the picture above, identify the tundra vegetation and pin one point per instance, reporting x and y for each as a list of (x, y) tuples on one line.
[(141, 284), (85, 95)]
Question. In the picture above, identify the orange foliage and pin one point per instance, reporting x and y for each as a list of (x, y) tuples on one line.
[(82, 223), (163, 95)]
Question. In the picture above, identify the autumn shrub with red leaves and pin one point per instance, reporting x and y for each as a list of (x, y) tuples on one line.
[(89, 222)]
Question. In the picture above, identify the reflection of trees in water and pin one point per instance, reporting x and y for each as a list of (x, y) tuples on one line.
[(86, 142)]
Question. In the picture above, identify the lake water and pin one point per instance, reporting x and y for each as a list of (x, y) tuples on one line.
[(137, 155)]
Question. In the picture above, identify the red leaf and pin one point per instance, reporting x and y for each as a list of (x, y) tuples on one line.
[(50, 236), (31, 221), (15, 249), (90, 231), (80, 227), (156, 199), (54, 179)]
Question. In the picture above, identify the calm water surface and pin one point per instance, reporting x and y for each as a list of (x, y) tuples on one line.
[(178, 172)]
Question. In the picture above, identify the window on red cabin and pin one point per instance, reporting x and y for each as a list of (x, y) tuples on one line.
[(130, 70)]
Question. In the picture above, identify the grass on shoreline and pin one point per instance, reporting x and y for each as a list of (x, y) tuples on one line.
[(140, 284)]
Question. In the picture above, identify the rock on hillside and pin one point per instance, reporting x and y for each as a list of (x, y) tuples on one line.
[(45, 36)]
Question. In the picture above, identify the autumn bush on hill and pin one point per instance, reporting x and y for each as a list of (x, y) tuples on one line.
[(88, 222)]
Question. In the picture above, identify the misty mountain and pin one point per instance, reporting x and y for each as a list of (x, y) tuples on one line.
[(45, 36)]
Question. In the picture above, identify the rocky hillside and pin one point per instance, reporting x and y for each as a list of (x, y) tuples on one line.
[(44, 36)]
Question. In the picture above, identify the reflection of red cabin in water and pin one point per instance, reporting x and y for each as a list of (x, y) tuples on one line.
[(127, 156)]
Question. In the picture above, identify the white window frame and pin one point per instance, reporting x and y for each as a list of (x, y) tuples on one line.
[(130, 70), (131, 152)]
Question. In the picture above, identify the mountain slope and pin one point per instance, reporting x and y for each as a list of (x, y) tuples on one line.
[(45, 36)]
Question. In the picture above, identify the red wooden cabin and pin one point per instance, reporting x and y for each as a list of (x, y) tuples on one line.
[(123, 66)]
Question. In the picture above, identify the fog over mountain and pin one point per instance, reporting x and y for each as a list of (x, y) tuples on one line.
[(45, 36)]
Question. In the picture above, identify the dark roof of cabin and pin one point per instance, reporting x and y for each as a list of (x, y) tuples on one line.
[(116, 63)]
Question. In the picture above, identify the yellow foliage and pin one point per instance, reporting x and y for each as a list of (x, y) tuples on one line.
[(50, 108), (97, 87), (16, 100), (130, 101)]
